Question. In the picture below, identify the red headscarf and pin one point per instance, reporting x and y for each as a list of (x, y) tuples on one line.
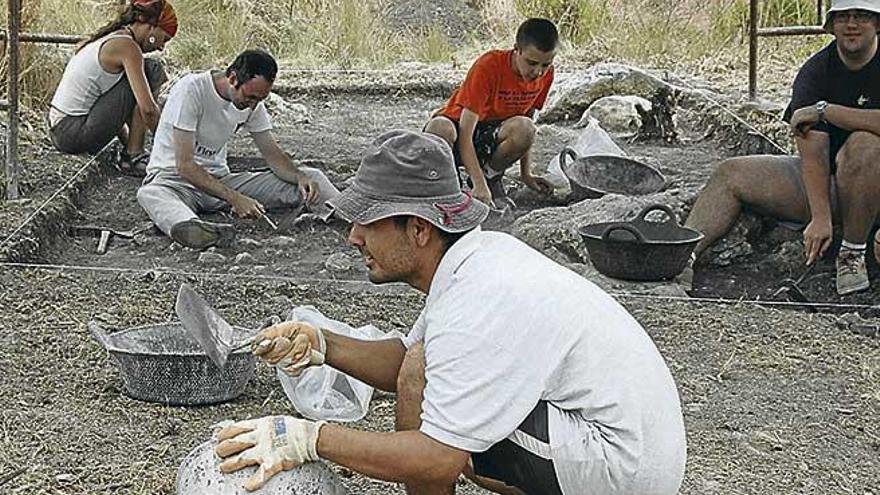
[(158, 13)]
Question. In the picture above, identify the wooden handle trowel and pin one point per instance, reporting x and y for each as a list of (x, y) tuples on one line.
[(212, 332)]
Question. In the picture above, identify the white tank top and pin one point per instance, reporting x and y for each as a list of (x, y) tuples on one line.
[(84, 80)]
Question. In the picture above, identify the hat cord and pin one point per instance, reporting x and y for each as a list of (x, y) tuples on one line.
[(449, 209)]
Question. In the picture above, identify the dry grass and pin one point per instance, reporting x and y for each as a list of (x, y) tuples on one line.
[(687, 35)]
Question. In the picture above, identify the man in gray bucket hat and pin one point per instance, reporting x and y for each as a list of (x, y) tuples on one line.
[(834, 115), (518, 374)]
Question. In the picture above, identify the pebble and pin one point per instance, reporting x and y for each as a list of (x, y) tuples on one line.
[(247, 242), (338, 262), (282, 241), (211, 258), (243, 258)]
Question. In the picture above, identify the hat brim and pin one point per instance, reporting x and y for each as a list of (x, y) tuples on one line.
[(829, 14), (355, 206)]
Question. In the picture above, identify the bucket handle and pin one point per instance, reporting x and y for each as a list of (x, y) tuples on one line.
[(567, 152), (657, 206), (632, 229), (99, 334)]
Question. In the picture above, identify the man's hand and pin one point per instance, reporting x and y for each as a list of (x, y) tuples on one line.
[(308, 189), (275, 443), (295, 346), (538, 184), (246, 207), (817, 239), (803, 120)]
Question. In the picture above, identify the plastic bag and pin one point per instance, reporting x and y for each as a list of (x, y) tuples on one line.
[(593, 140), (323, 392)]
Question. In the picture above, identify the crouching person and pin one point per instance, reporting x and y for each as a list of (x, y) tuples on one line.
[(526, 380), (188, 173)]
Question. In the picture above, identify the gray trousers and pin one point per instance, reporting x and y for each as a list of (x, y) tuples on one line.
[(170, 199), (91, 132)]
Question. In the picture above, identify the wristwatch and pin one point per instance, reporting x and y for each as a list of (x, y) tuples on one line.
[(821, 107)]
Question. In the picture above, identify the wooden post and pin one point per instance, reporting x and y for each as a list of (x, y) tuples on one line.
[(13, 25), (753, 49)]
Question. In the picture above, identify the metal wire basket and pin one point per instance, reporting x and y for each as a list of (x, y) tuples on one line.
[(162, 363)]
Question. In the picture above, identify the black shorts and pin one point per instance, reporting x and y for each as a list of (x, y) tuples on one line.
[(485, 141), (512, 463)]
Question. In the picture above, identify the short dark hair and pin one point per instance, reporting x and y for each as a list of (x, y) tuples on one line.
[(252, 63), (448, 238), (540, 33)]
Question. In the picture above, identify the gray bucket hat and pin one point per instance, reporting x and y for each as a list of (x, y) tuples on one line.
[(842, 5), (409, 173)]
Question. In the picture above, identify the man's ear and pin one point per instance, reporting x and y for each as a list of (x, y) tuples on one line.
[(420, 230)]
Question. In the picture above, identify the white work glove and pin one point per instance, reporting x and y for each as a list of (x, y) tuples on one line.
[(291, 346), (275, 443)]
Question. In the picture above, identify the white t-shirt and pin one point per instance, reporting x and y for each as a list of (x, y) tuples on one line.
[(504, 327), (194, 105)]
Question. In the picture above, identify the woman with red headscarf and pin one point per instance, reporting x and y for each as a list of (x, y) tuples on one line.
[(109, 89)]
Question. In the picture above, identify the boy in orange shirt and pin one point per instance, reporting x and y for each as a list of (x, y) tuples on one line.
[(488, 121)]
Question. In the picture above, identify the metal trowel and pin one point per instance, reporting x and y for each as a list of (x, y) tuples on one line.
[(212, 332), (206, 326)]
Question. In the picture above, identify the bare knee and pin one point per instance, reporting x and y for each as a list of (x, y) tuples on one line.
[(521, 130), (443, 127), (859, 156)]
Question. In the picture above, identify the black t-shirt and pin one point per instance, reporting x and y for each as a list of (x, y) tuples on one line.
[(825, 77)]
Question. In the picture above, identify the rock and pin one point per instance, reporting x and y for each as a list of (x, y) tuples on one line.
[(338, 262), (573, 94), (617, 114), (858, 325), (455, 19), (282, 241), (737, 243), (211, 258), (249, 243), (244, 259)]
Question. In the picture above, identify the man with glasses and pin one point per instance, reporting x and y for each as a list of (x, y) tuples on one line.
[(188, 173), (835, 117)]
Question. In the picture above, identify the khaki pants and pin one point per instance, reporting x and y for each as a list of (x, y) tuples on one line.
[(170, 199)]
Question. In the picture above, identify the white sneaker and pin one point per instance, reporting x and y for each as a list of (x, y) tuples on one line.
[(852, 275)]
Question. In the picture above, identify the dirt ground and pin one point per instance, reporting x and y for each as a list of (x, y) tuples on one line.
[(774, 401)]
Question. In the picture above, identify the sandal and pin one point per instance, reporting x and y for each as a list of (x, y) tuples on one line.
[(135, 166)]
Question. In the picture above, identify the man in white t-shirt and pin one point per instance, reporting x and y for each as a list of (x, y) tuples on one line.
[(518, 373), (188, 173)]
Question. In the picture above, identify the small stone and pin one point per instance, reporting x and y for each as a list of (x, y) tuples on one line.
[(338, 262), (211, 258), (282, 241), (244, 258), (247, 242), (65, 478)]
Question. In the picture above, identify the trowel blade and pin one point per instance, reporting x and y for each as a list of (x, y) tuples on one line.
[(204, 324)]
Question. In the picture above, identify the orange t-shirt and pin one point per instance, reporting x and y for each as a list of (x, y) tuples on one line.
[(494, 91)]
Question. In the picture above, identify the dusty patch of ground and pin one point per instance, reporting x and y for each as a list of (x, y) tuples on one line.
[(774, 401)]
